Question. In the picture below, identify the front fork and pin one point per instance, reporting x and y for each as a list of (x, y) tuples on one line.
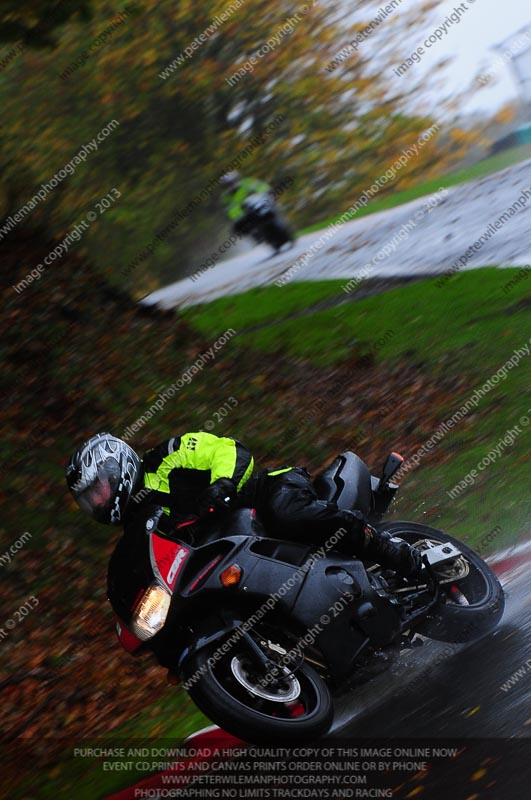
[(258, 655)]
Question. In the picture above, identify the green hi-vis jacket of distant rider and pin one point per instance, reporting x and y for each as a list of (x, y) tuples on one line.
[(179, 469), (233, 202)]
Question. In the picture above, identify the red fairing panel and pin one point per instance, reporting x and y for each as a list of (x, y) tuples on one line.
[(128, 641), (167, 559)]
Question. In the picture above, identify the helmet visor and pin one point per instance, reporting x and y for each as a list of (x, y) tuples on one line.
[(98, 497)]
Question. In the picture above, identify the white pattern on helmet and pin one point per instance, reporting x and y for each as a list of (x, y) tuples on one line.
[(115, 511), (94, 455)]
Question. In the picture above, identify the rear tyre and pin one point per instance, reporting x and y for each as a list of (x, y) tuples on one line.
[(297, 707), (472, 605)]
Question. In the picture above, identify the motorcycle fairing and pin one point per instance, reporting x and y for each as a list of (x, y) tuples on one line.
[(211, 629), (167, 559), (128, 640), (364, 617)]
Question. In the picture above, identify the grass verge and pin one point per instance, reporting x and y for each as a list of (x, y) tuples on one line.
[(464, 331)]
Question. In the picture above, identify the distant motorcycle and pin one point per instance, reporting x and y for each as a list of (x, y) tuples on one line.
[(263, 630), (264, 222)]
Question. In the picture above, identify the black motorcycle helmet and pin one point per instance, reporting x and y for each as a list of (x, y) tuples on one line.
[(230, 181), (102, 475)]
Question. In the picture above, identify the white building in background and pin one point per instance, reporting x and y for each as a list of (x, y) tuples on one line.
[(515, 52)]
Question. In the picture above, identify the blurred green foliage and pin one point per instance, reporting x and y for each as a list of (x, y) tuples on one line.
[(179, 130)]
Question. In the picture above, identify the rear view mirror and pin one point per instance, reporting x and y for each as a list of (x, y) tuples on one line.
[(393, 462)]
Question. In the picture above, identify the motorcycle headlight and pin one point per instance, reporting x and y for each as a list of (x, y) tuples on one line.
[(151, 614)]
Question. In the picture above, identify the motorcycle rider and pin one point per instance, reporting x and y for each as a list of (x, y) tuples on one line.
[(236, 191), (197, 474)]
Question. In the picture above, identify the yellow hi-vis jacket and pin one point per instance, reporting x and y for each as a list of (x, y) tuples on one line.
[(183, 466)]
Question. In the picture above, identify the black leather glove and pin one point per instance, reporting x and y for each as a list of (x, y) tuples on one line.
[(218, 497)]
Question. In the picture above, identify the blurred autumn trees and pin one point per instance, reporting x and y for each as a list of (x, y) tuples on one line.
[(341, 129), (35, 22)]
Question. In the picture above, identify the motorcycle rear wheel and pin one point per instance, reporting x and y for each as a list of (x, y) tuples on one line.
[(472, 606), (277, 233)]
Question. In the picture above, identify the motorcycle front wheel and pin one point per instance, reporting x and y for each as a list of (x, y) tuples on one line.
[(260, 708)]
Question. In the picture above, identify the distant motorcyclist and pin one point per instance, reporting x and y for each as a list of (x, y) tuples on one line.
[(197, 474), (236, 191)]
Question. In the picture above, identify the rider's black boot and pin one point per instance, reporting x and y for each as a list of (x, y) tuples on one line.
[(399, 556)]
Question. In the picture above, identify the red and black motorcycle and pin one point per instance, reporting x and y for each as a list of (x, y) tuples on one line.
[(262, 631)]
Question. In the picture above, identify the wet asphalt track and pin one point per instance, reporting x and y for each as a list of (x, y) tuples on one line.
[(451, 695), (437, 240), (441, 690)]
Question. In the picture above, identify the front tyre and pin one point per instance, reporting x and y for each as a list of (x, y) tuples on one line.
[(472, 605), (277, 233), (296, 706)]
